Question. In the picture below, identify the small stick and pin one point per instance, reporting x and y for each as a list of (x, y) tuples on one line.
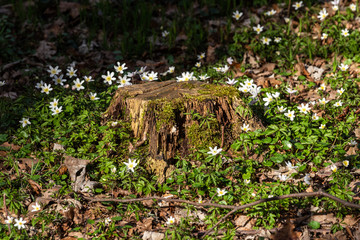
[(222, 136), (289, 8), (6, 211), (319, 193)]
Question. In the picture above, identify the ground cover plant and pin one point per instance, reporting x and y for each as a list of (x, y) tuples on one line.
[(68, 174)]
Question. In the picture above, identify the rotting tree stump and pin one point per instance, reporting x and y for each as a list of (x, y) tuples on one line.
[(176, 117)]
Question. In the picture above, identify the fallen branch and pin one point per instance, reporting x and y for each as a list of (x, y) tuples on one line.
[(6, 212), (319, 193)]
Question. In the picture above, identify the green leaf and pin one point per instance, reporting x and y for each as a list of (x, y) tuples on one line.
[(246, 175), (299, 146), (314, 225), (267, 163), (257, 141), (197, 185), (3, 137), (90, 221), (302, 167), (287, 144), (267, 140), (118, 218), (277, 158)]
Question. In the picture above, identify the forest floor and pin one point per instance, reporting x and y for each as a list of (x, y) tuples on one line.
[(65, 173)]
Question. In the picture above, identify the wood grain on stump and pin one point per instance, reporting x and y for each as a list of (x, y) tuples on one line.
[(176, 117)]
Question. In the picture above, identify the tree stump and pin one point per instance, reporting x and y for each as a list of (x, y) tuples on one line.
[(176, 117)]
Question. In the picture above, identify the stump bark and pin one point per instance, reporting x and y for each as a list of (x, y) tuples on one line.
[(175, 117)]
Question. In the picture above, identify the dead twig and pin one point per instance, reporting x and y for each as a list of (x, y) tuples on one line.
[(289, 6), (6, 212), (319, 193), (222, 136)]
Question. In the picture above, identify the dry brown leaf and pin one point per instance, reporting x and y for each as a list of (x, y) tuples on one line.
[(153, 236), (148, 203), (250, 58), (324, 218), (73, 7), (11, 146), (305, 234), (55, 29), (357, 132), (69, 238), (267, 82), (145, 224), (45, 50), (150, 63), (35, 186), (356, 233), (320, 63), (77, 235), (309, 189), (58, 147), (47, 195), (244, 222), (287, 232), (181, 37), (77, 170), (62, 170), (316, 29), (6, 9), (350, 220), (78, 217), (268, 67), (30, 162), (11, 95), (210, 53)]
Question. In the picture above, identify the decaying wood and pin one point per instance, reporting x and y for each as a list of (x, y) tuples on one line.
[(159, 113)]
